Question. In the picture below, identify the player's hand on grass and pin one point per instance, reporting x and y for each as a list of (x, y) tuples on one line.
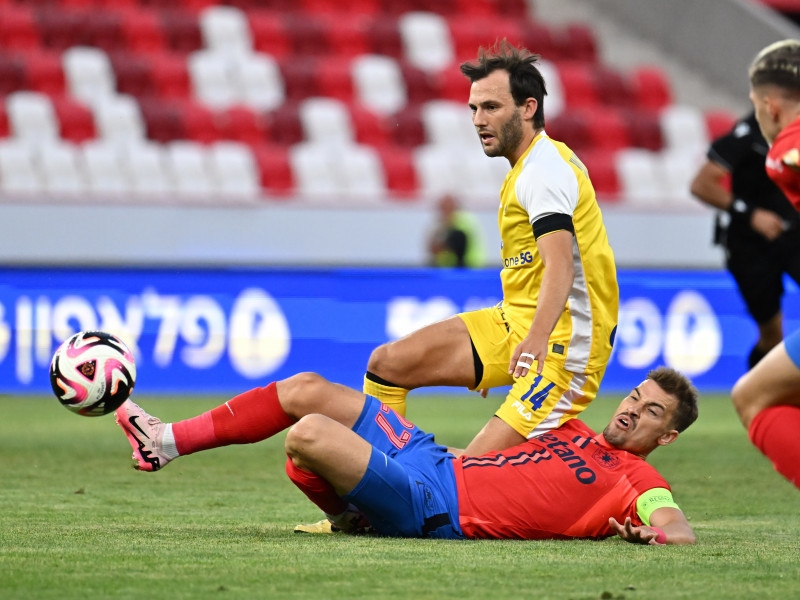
[(633, 534)]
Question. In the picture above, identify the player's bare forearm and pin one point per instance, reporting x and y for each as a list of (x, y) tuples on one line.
[(667, 526)]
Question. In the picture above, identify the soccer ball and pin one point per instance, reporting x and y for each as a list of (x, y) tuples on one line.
[(92, 373)]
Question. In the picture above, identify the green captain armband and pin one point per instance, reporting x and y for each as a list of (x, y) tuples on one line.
[(651, 500)]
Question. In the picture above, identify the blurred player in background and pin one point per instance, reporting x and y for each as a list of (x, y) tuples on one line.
[(551, 336), (456, 239), (759, 227), (767, 397), (366, 466)]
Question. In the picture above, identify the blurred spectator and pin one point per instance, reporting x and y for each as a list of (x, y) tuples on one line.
[(456, 240), (758, 228)]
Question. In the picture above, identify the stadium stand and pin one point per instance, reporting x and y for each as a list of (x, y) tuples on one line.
[(338, 101)]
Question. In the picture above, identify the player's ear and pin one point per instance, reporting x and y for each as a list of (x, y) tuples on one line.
[(529, 109), (667, 438)]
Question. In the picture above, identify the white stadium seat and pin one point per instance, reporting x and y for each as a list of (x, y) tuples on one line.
[(118, 120), (449, 123), (259, 81), (18, 174), (225, 30), (379, 83), (213, 80), (145, 165), (235, 171), (190, 169), (31, 118), (102, 166), (89, 74), (60, 168), (326, 120), (426, 41)]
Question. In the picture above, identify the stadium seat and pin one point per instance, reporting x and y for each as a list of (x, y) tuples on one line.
[(225, 30), (326, 121), (315, 171), (269, 33), (384, 37), (436, 170), (276, 172), (639, 176), (426, 41), (571, 128), (259, 81), (4, 129), (145, 166), (18, 29), (407, 127), (348, 37), (212, 79), (284, 125), (102, 166), (171, 76), (60, 169), (334, 79), (181, 31), (89, 75), (579, 43), (361, 174), (607, 128), (45, 73), (450, 84), (189, 168), (18, 174), (378, 83), (645, 129), (118, 120), (31, 118), (370, 128), (162, 119), (602, 168), (578, 82), (141, 31), (59, 29), (308, 34), (683, 126), (200, 123), (677, 169), (448, 123), (76, 121), (398, 167), (554, 102), (101, 29), (133, 74), (299, 78), (243, 124), (541, 39), (650, 87), (12, 75), (234, 170), (719, 122), (419, 86)]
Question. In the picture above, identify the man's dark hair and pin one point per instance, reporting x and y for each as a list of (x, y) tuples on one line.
[(777, 64), (524, 78), (678, 385)]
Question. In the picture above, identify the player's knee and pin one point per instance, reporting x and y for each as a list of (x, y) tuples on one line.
[(380, 361), (302, 394), (305, 436), (747, 400)]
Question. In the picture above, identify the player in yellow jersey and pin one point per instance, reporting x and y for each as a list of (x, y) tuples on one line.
[(551, 336)]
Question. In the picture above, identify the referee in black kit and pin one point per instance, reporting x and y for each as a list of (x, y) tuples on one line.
[(759, 228)]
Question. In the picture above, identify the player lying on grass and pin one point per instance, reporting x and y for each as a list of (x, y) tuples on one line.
[(350, 453)]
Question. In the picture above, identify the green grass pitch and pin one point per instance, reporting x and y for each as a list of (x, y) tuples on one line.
[(77, 522)]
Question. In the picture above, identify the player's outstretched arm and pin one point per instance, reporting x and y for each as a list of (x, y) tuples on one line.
[(668, 526)]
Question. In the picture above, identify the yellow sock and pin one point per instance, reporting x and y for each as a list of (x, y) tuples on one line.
[(391, 396)]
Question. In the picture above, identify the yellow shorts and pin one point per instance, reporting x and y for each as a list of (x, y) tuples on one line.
[(536, 403)]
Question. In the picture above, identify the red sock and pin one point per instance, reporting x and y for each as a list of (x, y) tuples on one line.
[(775, 432), (319, 491), (249, 417)]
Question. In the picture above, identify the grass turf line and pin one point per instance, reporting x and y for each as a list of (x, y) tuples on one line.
[(77, 522)]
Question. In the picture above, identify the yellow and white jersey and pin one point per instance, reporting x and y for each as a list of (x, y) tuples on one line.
[(546, 187)]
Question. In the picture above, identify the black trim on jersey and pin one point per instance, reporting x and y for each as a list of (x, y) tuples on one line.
[(379, 381), (551, 223)]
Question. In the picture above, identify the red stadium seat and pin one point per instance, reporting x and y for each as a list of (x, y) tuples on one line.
[(398, 165), (450, 84), (719, 122), (333, 78), (407, 127), (4, 127), (650, 88), (269, 33), (419, 86), (348, 37), (12, 75), (384, 37), (134, 74), (571, 128), (18, 29), (370, 128), (171, 76), (276, 171), (611, 87), (242, 124), (299, 78), (578, 83), (162, 120), (645, 129), (199, 122), (284, 125), (181, 31), (607, 128), (45, 72), (76, 121), (141, 31), (540, 38), (578, 43), (601, 165), (308, 34), (59, 29)]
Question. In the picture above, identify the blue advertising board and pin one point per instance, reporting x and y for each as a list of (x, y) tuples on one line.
[(229, 329)]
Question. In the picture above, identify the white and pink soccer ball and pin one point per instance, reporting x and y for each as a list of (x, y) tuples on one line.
[(92, 373)]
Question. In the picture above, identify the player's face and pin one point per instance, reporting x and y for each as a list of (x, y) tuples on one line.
[(497, 119), (766, 123), (643, 420)]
